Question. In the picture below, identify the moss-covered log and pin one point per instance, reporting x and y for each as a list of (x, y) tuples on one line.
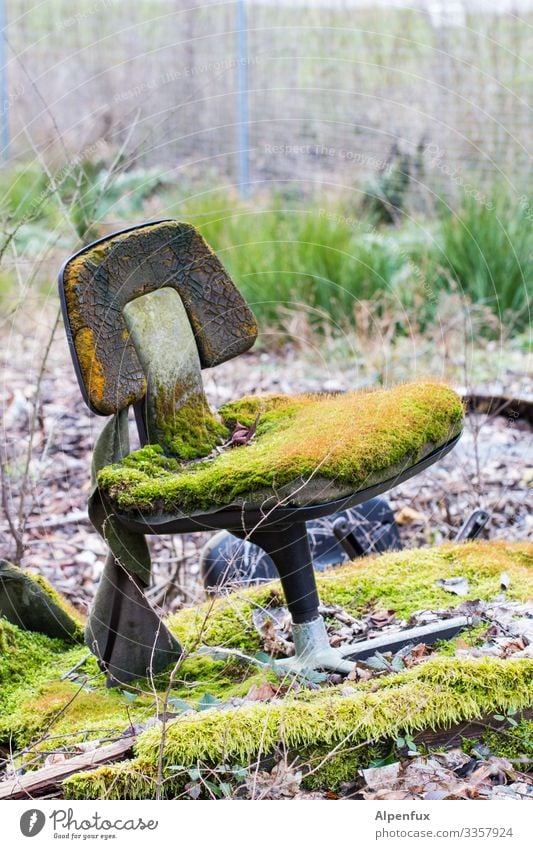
[(439, 693)]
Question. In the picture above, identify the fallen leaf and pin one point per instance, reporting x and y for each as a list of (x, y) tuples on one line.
[(261, 692), (406, 516), (454, 759), (411, 655), (381, 776), (380, 618), (242, 434), (457, 586), (273, 626)]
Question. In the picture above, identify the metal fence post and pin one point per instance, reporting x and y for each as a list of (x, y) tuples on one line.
[(4, 97), (242, 99)]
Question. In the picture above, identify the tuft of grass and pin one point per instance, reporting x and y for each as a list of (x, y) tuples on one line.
[(325, 255), (485, 247), (322, 258)]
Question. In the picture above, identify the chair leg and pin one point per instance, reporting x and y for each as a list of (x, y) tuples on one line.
[(125, 632), (288, 546)]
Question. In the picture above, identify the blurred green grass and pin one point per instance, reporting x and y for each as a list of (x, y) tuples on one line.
[(320, 255)]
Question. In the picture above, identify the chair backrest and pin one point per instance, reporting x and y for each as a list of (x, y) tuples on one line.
[(98, 282)]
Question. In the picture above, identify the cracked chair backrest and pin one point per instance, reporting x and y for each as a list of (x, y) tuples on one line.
[(106, 340)]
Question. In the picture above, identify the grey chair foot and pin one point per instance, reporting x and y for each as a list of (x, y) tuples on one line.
[(313, 651)]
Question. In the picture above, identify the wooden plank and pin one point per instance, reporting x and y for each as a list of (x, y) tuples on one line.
[(471, 729), (50, 777)]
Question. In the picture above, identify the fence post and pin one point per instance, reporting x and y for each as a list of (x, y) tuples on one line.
[(4, 98), (242, 99)]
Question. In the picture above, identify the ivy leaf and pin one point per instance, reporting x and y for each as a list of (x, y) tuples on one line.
[(178, 705), (194, 790), (207, 701), (398, 662), (377, 661), (240, 772), (129, 696), (214, 788), (226, 789)]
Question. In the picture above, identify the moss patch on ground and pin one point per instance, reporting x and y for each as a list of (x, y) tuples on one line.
[(37, 693), (337, 444), (403, 581), (515, 743), (36, 697)]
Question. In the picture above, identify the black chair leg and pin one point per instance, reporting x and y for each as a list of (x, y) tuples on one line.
[(288, 546)]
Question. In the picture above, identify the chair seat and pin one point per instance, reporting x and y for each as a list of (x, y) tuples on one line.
[(307, 449)]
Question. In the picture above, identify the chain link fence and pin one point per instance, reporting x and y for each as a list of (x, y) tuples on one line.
[(306, 92)]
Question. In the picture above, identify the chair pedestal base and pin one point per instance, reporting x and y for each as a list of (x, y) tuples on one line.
[(313, 651), (288, 546)]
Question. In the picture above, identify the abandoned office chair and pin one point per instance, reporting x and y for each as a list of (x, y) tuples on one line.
[(145, 309)]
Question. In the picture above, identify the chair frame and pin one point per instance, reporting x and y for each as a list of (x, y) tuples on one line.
[(279, 530)]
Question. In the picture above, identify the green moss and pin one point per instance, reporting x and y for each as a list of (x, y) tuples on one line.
[(60, 600), (126, 780), (403, 581), (337, 444), (436, 694), (472, 636), (33, 694), (515, 743), (189, 431), (31, 664), (23, 654), (439, 692), (325, 770), (30, 602), (224, 679)]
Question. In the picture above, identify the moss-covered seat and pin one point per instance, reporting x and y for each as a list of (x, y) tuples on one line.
[(308, 449), (145, 310)]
